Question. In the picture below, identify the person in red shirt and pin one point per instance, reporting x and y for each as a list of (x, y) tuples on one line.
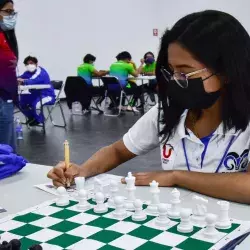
[(8, 78)]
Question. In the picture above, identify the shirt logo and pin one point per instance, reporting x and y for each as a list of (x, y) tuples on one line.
[(234, 162), (167, 152)]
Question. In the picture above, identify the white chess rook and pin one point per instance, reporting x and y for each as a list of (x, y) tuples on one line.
[(63, 197), (174, 212), (130, 180), (83, 204), (155, 202), (223, 219), (185, 225), (139, 214), (113, 191), (120, 212), (162, 220), (210, 231), (100, 206)]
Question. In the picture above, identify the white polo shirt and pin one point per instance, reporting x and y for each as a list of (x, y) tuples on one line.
[(224, 153)]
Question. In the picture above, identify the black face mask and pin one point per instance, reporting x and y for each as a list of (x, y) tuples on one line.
[(192, 97)]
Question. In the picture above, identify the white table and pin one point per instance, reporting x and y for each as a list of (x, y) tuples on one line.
[(24, 89), (18, 193)]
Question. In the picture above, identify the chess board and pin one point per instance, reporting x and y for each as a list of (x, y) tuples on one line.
[(56, 228)]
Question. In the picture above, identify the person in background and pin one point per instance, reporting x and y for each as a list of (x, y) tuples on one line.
[(30, 104), (202, 122), (8, 79), (148, 66), (87, 71), (122, 69)]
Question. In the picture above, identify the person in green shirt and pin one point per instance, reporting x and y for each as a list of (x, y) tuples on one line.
[(122, 69), (148, 65), (87, 71)]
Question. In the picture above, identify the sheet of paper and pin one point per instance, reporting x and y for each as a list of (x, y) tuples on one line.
[(89, 184)]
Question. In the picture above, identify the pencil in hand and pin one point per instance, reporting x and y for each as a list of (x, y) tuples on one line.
[(67, 159)]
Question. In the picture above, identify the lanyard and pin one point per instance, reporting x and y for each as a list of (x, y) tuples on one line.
[(222, 159)]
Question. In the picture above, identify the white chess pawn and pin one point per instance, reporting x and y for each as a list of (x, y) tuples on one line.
[(120, 211), (80, 182), (174, 212), (223, 218), (210, 231), (185, 225), (139, 214), (162, 220), (100, 206), (153, 206), (113, 191), (63, 199), (130, 187), (83, 200)]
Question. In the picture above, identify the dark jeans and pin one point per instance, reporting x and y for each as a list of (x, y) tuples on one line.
[(7, 134)]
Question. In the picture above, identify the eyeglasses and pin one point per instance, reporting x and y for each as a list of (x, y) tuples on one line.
[(180, 78), (9, 12)]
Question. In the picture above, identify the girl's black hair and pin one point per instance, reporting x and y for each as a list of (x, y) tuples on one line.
[(219, 41), (30, 58), (151, 53), (89, 58)]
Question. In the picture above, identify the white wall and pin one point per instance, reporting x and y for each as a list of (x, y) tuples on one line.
[(61, 32), (171, 11)]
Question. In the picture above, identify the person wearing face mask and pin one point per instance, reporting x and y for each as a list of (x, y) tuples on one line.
[(148, 66), (202, 121), (8, 79), (29, 104)]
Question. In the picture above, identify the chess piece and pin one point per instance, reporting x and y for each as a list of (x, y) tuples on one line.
[(98, 188), (162, 220), (139, 214), (223, 218), (185, 225), (36, 247), (83, 204), (113, 191), (15, 244), (174, 212), (100, 206), (80, 182), (210, 231), (199, 211), (63, 199), (130, 180), (153, 206), (120, 211)]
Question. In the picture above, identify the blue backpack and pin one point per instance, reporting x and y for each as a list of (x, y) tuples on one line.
[(10, 163)]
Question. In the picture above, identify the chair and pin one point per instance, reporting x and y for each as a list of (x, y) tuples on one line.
[(58, 87), (77, 90), (112, 81)]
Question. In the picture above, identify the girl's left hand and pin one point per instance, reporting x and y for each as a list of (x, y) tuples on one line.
[(165, 178)]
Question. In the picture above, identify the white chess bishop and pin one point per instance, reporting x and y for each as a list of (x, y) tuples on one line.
[(174, 212), (155, 202)]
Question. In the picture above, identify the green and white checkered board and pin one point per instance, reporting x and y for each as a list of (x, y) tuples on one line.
[(56, 228)]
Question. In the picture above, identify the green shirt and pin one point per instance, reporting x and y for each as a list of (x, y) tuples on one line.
[(121, 70), (86, 71), (149, 68)]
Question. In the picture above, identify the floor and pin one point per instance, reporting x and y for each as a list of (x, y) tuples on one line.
[(86, 134)]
